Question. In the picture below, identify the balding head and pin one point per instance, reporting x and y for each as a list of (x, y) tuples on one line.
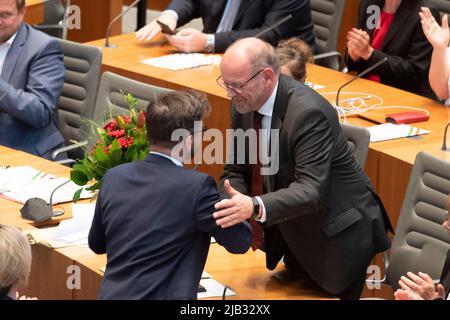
[(250, 73), (253, 52)]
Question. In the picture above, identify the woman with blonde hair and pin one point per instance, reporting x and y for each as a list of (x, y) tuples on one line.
[(15, 261)]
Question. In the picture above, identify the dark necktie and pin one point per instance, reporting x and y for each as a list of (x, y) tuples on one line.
[(257, 188)]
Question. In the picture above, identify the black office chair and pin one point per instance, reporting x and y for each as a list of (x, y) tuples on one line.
[(55, 12), (77, 100), (420, 242), (327, 16)]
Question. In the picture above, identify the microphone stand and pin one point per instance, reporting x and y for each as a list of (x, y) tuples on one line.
[(376, 65), (108, 30), (56, 213), (444, 143)]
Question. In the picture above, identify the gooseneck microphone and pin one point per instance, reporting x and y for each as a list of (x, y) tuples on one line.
[(260, 34), (38, 210), (444, 143), (108, 30), (359, 75)]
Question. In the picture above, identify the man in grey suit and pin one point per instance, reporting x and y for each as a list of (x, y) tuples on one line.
[(317, 208), (31, 81)]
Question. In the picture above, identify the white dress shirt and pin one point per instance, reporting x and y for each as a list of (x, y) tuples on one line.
[(4, 49), (266, 110), (177, 162)]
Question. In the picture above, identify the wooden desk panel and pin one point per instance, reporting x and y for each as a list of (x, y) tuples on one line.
[(34, 13)]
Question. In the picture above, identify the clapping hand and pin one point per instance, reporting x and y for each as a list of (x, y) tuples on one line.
[(437, 35)]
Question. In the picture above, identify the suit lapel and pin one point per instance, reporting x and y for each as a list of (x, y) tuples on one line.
[(245, 5), (14, 52), (279, 111), (401, 16)]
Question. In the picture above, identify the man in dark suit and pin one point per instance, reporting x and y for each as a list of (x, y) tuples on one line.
[(31, 81), (399, 38), (225, 21), (317, 207), (154, 218)]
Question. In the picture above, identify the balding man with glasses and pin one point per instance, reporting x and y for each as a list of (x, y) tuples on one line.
[(315, 207)]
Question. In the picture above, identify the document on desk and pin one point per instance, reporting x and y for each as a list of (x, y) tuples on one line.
[(179, 61), (76, 230), (42, 188), (17, 176), (390, 131)]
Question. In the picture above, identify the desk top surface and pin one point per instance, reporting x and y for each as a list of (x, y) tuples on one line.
[(126, 60)]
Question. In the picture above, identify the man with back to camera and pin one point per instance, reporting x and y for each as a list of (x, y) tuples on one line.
[(31, 81), (317, 208), (154, 218), (225, 21)]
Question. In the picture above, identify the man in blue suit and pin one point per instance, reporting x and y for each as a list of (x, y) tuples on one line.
[(31, 81), (154, 218)]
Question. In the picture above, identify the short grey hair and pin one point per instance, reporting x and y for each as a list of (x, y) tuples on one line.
[(261, 54), (15, 258)]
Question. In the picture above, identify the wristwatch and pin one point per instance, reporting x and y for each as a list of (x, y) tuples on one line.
[(210, 43), (256, 208)]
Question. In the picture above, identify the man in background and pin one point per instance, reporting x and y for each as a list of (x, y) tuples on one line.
[(31, 81), (225, 21)]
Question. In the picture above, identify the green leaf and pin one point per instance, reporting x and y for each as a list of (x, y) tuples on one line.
[(79, 177), (76, 195), (115, 154), (102, 159)]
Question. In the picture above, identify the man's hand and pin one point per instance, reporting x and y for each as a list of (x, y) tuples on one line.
[(358, 44), (421, 285), (234, 210), (188, 40), (148, 32)]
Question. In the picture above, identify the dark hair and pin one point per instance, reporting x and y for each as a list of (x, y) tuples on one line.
[(20, 4), (295, 53), (174, 110)]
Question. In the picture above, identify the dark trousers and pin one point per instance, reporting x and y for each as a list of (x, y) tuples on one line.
[(353, 292)]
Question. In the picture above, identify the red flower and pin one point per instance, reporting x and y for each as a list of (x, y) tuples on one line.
[(112, 125), (116, 133)]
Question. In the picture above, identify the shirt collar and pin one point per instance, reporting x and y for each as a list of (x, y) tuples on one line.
[(11, 40), (267, 107), (175, 161)]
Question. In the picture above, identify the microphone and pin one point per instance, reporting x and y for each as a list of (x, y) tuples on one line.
[(444, 143), (273, 26), (108, 30), (38, 210), (359, 75)]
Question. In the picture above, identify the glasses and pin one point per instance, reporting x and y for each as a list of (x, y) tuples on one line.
[(236, 87)]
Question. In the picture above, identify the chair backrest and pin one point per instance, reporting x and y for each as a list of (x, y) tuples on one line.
[(358, 141), (442, 5), (327, 16), (110, 98), (420, 242), (77, 99), (54, 13)]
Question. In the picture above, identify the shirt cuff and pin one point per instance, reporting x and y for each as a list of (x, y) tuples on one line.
[(263, 218), (172, 12)]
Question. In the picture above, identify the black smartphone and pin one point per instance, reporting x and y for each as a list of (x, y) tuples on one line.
[(165, 28)]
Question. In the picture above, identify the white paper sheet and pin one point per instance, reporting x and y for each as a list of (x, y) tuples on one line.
[(389, 131), (43, 188), (76, 230), (179, 61)]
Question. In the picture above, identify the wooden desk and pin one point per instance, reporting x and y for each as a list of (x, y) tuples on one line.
[(246, 274), (389, 163), (34, 13)]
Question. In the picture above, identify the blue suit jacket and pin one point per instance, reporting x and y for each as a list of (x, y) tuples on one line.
[(154, 221), (30, 85)]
